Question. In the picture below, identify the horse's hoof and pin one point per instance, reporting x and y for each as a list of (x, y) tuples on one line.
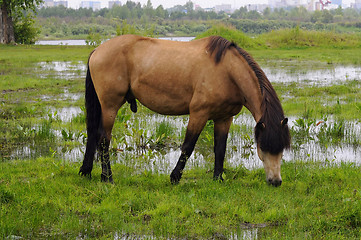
[(105, 178), (175, 177), (84, 173), (218, 178)]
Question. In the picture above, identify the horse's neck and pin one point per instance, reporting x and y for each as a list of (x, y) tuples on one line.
[(254, 105), (248, 84), (251, 94)]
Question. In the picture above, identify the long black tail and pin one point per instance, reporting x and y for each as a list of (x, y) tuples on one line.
[(94, 124)]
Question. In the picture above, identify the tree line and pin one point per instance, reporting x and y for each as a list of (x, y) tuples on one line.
[(183, 20), (132, 10), (61, 22)]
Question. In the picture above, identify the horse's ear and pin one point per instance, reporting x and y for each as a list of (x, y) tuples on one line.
[(284, 122), (260, 125)]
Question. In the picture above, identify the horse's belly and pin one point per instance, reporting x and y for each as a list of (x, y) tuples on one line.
[(163, 101)]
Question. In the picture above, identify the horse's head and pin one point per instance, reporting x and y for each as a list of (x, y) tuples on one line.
[(271, 140)]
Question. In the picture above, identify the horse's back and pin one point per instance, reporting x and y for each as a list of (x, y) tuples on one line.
[(161, 74)]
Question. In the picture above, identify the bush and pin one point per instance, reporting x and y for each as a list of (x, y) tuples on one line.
[(24, 29)]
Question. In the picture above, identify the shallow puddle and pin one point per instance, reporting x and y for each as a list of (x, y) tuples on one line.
[(324, 76), (63, 70)]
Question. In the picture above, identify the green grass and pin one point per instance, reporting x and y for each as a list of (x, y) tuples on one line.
[(231, 34), (45, 198), (337, 100), (307, 56), (296, 37)]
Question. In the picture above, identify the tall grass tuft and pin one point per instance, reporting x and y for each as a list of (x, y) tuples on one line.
[(163, 134), (231, 34), (296, 37)]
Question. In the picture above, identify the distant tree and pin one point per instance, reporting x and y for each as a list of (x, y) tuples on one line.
[(240, 13), (160, 12), (254, 15), (148, 9), (327, 17), (189, 7), (130, 5), (267, 12), (12, 12), (316, 16), (299, 14)]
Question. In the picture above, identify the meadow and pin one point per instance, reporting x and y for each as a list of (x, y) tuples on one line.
[(42, 196)]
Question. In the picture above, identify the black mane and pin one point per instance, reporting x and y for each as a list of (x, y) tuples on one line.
[(270, 134)]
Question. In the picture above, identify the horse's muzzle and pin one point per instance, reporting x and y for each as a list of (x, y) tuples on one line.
[(274, 182)]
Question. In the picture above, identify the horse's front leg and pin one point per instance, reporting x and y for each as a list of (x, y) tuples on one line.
[(221, 128), (195, 125)]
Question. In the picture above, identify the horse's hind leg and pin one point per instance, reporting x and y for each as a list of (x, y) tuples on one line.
[(195, 125), (221, 129), (108, 118), (106, 175)]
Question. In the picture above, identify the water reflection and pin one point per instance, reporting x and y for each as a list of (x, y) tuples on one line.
[(325, 76), (71, 42), (64, 70)]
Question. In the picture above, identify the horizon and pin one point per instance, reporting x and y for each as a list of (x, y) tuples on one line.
[(202, 3)]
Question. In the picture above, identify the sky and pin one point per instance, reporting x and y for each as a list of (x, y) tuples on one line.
[(170, 3)]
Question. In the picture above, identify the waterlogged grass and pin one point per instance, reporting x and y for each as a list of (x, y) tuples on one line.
[(340, 101), (45, 198), (308, 56), (28, 90), (19, 65)]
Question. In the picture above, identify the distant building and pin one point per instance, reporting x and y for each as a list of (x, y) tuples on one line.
[(91, 4), (311, 5), (61, 3), (198, 8), (357, 4), (257, 7), (337, 2), (208, 9), (287, 3), (48, 3), (114, 3), (227, 8), (52, 3)]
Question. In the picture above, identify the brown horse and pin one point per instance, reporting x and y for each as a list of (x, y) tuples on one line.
[(209, 79)]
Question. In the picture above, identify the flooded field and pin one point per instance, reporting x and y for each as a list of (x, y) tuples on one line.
[(43, 136), (148, 141)]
